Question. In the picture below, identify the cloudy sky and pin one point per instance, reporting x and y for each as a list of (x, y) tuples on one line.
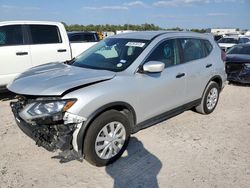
[(165, 13)]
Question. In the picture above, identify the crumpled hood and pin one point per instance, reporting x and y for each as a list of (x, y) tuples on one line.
[(54, 79)]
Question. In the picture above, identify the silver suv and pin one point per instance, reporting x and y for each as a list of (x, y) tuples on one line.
[(88, 107)]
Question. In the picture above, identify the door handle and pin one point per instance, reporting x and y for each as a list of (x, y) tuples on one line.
[(179, 75), (61, 50), (22, 53), (208, 65)]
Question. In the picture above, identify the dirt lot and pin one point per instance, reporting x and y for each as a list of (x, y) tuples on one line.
[(190, 150)]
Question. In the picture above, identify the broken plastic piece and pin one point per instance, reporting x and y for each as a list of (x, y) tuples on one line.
[(72, 118), (68, 155)]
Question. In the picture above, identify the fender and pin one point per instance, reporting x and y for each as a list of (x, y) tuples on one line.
[(87, 123)]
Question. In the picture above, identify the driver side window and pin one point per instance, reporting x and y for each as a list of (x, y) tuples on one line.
[(166, 52)]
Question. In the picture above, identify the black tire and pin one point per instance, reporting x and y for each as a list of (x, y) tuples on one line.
[(202, 108), (93, 131)]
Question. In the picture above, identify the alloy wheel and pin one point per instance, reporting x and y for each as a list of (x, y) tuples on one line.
[(110, 140), (212, 98)]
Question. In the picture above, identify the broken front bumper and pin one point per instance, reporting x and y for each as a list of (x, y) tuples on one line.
[(51, 135), (238, 72)]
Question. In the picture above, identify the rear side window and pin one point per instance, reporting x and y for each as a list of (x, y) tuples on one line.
[(192, 49), (11, 35), (208, 47), (45, 34), (83, 37)]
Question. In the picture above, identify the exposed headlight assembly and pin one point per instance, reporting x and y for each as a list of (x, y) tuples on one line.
[(49, 107), (45, 108)]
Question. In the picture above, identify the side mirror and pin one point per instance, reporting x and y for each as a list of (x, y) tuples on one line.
[(153, 66)]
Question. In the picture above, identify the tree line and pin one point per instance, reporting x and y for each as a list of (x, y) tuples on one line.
[(113, 28)]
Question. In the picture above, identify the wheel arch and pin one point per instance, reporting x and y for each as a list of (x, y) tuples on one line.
[(200, 108), (123, 107), (216, 79)]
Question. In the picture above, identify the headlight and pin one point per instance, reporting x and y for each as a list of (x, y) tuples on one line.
[(47, 108)]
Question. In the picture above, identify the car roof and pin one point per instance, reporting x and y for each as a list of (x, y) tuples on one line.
[(29, 22), (150, 35), (143, 35)]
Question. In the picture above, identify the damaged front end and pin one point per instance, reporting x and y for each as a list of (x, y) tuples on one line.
[(47, 121), (238, 72)]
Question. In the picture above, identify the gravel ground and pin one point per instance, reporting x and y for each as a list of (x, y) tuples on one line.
[(189, 150)]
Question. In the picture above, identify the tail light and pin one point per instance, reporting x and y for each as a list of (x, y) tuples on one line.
[(223, 55)]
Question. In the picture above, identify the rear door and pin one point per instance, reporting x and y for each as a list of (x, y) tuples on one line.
[(198, 65), (47, 45), (14, 52)]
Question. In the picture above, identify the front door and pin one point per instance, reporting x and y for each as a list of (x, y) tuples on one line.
[(162, 92)]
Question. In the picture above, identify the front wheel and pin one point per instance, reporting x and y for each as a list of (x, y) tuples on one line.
[(107, 138), (210, 99)]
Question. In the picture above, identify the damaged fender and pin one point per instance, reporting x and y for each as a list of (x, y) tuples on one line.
[(78, 120)]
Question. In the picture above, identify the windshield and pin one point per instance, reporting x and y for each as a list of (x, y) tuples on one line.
[(114, 54), (241, 49), (244, 40), (228, 40)]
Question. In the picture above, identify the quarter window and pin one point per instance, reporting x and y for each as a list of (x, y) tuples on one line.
[(11, 35), (192, 49), (166, 52), (45, 34)]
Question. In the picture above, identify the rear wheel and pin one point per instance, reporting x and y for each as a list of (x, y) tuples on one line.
[(107, 138), (210, 99)]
